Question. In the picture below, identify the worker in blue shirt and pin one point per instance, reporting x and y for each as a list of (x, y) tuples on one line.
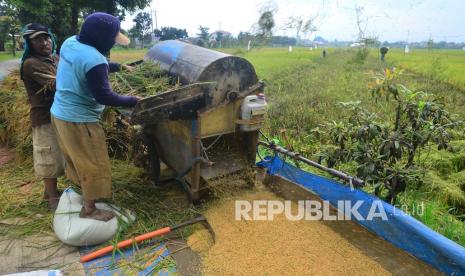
[(82, 91)]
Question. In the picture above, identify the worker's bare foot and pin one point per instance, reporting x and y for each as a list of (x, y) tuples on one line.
[(51, 193), (97, 214), (56, 195), (53, 202)]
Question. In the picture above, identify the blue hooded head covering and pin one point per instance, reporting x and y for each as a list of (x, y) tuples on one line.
[(99, 30)]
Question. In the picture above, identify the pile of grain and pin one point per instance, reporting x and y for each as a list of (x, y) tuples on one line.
[(276, 247), (200, 241), (232, 184)]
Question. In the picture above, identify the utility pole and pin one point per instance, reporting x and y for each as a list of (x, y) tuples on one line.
[(156, 19), (219, 26), (151, 16)]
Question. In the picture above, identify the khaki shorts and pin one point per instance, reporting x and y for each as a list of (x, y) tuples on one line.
[(87, 163), (48, 158)]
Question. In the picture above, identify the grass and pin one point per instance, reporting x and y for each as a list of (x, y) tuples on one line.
[(4, 56), (21, 196), (268, 61), (123, 55), (443, 64)]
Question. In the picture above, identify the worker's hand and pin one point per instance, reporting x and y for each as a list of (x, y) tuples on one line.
[(139, 98), (126, 67)]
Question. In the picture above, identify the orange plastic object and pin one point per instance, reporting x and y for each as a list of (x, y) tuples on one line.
[(125, 243)]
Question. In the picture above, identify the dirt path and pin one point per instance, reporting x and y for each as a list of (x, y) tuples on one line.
[(7, 66)]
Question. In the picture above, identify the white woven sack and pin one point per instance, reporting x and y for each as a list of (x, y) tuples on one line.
[(74, 230)]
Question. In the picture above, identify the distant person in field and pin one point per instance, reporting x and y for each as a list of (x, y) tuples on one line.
[(324, 53), (38, 68), (383, 51), (83, 90)]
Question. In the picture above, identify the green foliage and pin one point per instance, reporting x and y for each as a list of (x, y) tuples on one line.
[(386, 152), (115, 7), (141, 29), (283, 40), (244, 38), (266, 23), (436, 71), (167, 33), (203, 36), (62, 16), (361, 55), (9, 25), (43, 11)]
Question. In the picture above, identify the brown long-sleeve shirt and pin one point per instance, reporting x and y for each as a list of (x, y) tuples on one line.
[(40, 86)]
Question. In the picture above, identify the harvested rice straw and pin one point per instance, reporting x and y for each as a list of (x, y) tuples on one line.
[(49, 85), (47, 76), (147, 79), (14, 116)]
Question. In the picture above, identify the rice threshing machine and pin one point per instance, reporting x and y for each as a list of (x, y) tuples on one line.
[(207, 127)]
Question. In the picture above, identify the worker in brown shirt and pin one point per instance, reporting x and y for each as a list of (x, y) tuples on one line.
[(38, 69)]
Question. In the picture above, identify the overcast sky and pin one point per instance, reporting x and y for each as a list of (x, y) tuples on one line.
[(392, 20)]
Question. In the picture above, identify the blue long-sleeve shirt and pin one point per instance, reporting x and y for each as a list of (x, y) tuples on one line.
[(97, 79)]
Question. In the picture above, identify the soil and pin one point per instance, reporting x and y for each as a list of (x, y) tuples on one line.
[(276, 247)]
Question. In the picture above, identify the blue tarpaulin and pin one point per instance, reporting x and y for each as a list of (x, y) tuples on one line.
[(149, 256), (399, 229)]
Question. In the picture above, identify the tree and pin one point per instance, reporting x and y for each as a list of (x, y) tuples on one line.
[(203, 35), (63, 17), (219, 38), (266, 24), (430, 43), (266, 21), (263, 29), (167, 33), (114, 7), (143, 25), (283, 40), (54, 14), (244, 37), (9, 25), (133, 34), (301, 25)]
